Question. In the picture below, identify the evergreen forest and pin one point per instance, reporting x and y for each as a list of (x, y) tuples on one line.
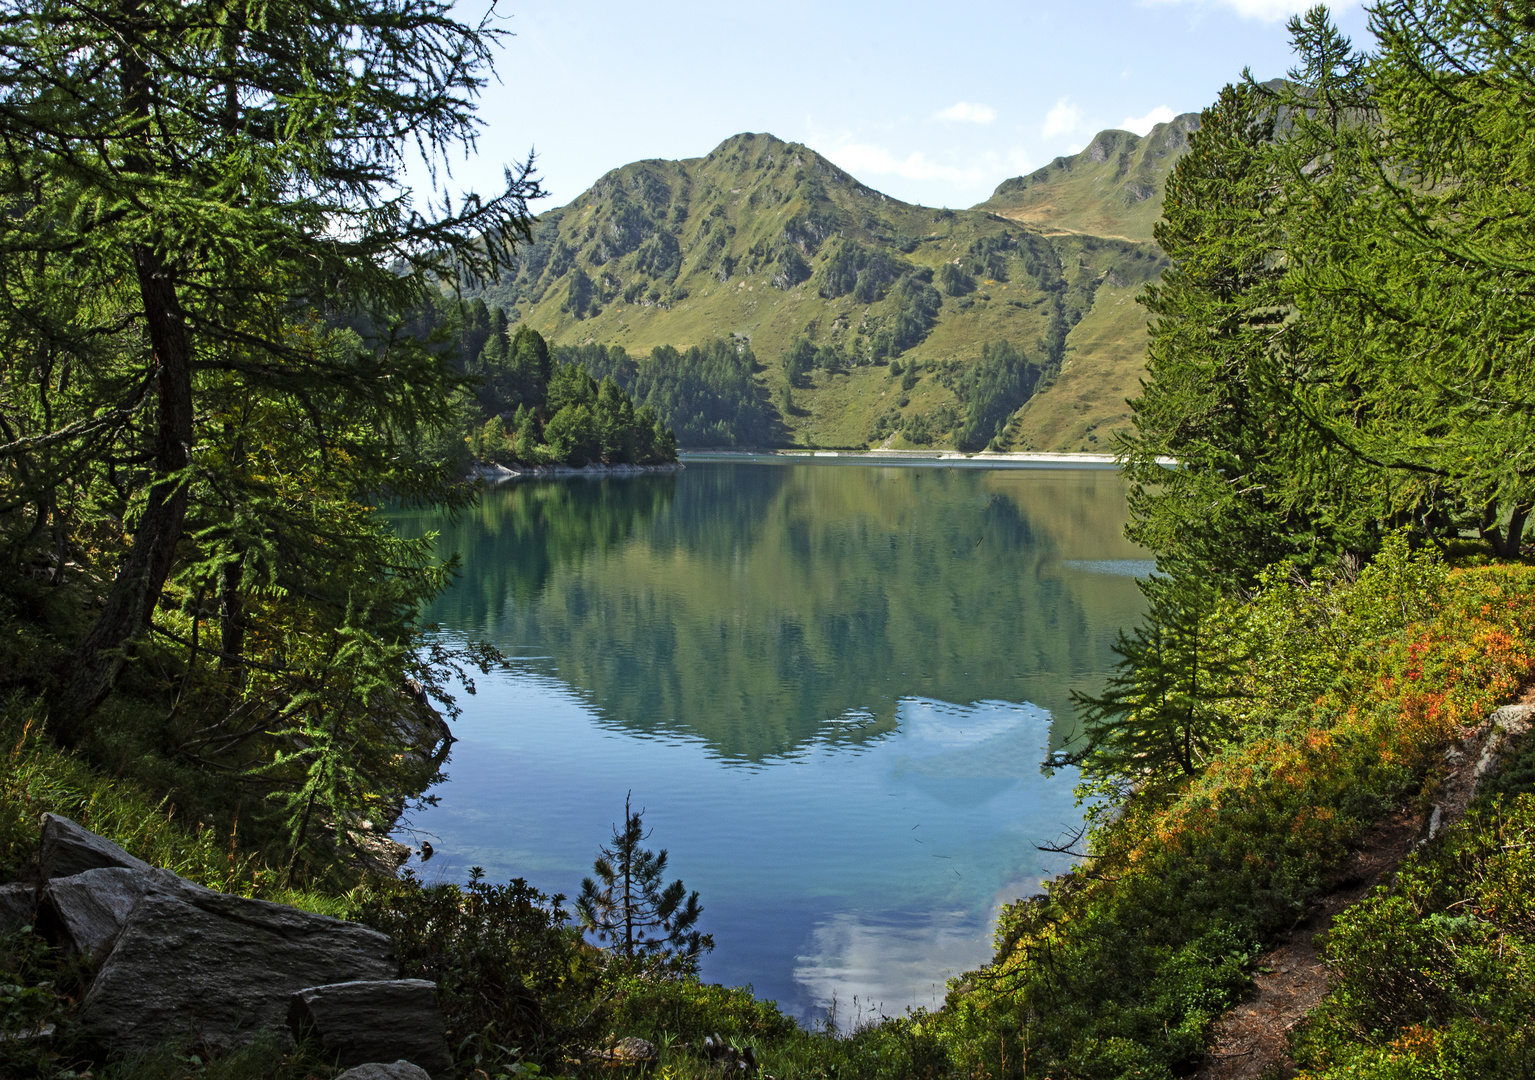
[(227, 343), (520, 404)]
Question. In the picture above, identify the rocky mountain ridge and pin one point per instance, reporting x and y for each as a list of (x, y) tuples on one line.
[(768, 243), (1112, 187)]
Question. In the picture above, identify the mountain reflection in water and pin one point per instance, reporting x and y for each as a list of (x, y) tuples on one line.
[(831, 687)]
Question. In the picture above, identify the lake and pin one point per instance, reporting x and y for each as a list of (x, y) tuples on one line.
[(829, 686)]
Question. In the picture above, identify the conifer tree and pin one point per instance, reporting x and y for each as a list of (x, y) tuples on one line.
[(531, 367), (191, 189), (1158, 716), (1216, 394), (628, 904), (1407, 183)]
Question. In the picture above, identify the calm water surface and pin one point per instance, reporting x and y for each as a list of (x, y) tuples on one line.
[(829, 686)]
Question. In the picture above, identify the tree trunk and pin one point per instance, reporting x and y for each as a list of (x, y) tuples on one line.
[(232, 615), (1514, 537), (1488, 530), (136, 589)]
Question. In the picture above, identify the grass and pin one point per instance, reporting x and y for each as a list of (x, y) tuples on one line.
[(1350, 695), (40, 778), (1105, 361), (1113, 187)]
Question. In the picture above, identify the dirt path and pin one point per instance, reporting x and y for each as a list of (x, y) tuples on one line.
[(1252, 1040)]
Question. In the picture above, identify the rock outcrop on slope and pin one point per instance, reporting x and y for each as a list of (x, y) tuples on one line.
[(174, 963)]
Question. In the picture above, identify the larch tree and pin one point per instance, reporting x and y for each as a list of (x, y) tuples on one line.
[(194, 192)]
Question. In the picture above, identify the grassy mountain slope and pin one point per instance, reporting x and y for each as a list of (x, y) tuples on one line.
[(1105, 360), (1113, 187), (766, 242)]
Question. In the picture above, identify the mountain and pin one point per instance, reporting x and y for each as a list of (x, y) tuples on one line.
[(1113, 187), (770, 245)]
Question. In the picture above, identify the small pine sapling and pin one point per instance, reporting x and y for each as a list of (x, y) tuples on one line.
[(627, 904)]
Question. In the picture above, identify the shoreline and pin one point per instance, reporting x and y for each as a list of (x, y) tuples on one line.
[(495, 474), (952, 459)]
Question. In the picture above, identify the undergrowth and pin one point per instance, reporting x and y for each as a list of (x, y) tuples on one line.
[(1434, 976), (1348, 693)]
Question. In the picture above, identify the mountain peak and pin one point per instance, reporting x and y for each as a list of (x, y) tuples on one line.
[(1111, 187)]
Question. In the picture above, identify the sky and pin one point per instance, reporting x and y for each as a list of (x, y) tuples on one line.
[(930, 103)]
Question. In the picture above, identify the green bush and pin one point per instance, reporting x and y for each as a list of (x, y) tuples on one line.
[(1434, 975), (515, 980), (688, 1009), (1340, 695)]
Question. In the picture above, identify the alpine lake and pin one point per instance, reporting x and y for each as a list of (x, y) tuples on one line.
[(829, 687)]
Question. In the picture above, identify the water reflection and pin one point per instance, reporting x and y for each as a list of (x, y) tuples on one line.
[(752, 605), (830, 688), (866, 968)]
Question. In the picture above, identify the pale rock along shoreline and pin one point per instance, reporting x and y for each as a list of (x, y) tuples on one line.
[(495, 474)]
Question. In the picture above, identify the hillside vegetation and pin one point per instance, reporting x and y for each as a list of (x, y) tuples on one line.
[(768, 246), (209, 639), (1112, 187)]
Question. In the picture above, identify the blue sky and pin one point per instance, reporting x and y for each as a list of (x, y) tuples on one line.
[(929, 103)]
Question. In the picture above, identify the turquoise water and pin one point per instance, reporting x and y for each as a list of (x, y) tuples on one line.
[(829, 687)]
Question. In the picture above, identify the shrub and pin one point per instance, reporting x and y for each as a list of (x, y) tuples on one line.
[(515, 980)]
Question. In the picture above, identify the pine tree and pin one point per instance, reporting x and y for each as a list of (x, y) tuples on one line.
[(531, 368), (628, 905), (1217, 396), (1408, 185)]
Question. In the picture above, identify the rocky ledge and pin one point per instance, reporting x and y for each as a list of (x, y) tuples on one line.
[(497, 473), (174, 963)]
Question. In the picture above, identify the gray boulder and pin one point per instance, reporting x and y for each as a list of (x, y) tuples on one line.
[(633, 1050), (400, 1070), (68, 849), (18, 904), (84, 913), (358, 1022), (202, 966)]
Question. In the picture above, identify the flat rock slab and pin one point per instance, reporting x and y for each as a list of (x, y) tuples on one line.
[(201, 966), (400, 1070), (69, 849), (363, 1021), (18, 904)]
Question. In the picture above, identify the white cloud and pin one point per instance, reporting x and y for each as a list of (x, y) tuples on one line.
[(968, 112), (1142, 124), (863, 159), (1263, 10), (1062, 120)]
